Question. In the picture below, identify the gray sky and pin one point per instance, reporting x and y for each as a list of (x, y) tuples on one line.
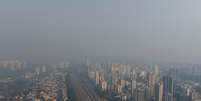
[(153, 30)]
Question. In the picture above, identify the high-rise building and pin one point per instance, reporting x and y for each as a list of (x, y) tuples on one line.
[(139, 95), (167, 88), (183, 93), (133, 85), (37, 70), (87, 61), (44, 69), (103, 85), (97, 78), (159, 91), (156, 70), (149, 93), (151, 78)]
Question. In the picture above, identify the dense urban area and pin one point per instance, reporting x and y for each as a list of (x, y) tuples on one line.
[(100, 50), (98, 81)]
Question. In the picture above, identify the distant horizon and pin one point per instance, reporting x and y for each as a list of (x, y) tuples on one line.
[(166, 31), (93, 60)]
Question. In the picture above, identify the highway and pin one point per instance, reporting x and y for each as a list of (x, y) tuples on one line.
[(83, 89)]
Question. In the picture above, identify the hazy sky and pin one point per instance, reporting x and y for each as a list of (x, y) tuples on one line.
[(150, 30)]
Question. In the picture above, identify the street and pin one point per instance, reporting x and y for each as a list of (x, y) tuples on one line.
[(83, 90)]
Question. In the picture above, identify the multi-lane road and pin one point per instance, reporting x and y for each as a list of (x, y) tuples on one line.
[(83, 89)]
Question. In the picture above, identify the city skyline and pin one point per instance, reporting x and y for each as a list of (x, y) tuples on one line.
[(100, 50)]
